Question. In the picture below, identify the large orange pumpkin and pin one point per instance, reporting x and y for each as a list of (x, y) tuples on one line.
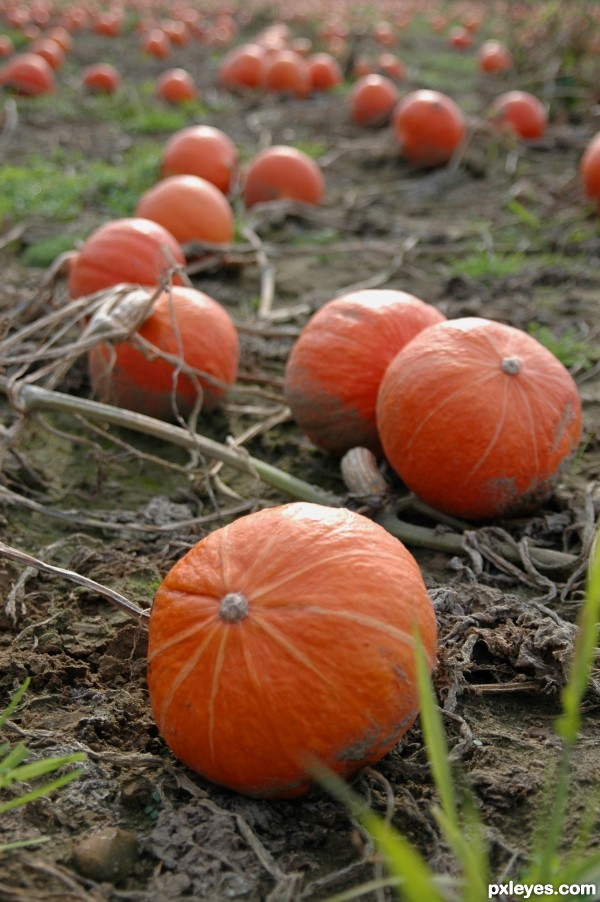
[(286, 639), (190, 208), (493, 57), (520, 112), (28, 74), (477, 418), (324, 71), (286, 72), (186, 324), (50, 50), (101, 78), (176, 86), (372, 99), (429, 127), (242, 67), (334, 370), (204, 151), (131, 249), (280, 172), (156, 43)]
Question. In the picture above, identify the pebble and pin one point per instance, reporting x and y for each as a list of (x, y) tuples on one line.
[(107, 855)]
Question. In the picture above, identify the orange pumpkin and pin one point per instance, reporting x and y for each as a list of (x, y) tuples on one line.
[(429, 127), (286, 72), (589, 169), (282, 173), (477, 418), (201, 150), (50, 50), (334, 370), (124, 250), (494, 57), (391, 66), (186, 324), (286, 639), (62, 37), (176, 86), (101, 78), (520, 112), (190, 208), (7, 47), (324, 71), (108, 24), (242, 67), (156, 43), (177, 32), (372, 100), (460, 37), (28, 74)]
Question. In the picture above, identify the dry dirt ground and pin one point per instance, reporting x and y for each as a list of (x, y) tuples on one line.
[(121, 508)]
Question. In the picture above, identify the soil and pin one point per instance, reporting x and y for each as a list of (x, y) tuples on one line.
[(120, 508)]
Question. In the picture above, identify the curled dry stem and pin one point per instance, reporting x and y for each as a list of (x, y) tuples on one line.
[(21, 557), (32, 397)]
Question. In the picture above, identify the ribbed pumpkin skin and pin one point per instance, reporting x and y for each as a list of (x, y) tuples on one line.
[(429, 127), (131, 249), (468, 434), (372, 99), (190, 208), (209, 341), (334, 370), (280, 172), (204, 151), (321, 668)]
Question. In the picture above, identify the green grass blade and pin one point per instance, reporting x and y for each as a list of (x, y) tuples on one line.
[(469, 848), (523, 214), (584, 871), (24, 843), (14, 701), (545, 858), (42, 767), (40, 791), (10, 762), (404, 862), (435, 738), (465, 839), (586, 641)]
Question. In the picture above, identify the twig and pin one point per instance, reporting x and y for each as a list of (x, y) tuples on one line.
[(267, 273), (33, 397), (152, 529), (423, 537), (15, 554)]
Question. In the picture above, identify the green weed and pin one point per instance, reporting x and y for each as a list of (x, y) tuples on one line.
[(43, 253), (567, 347), (61, 189), (15, 769), (487, 263)]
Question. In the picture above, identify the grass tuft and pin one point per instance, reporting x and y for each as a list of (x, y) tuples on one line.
[(15, 769)]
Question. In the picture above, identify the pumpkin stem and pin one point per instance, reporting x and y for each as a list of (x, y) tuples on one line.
[(233, 607), (511, 365)]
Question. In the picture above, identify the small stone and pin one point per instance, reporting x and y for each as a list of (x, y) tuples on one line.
[(107, 856)]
